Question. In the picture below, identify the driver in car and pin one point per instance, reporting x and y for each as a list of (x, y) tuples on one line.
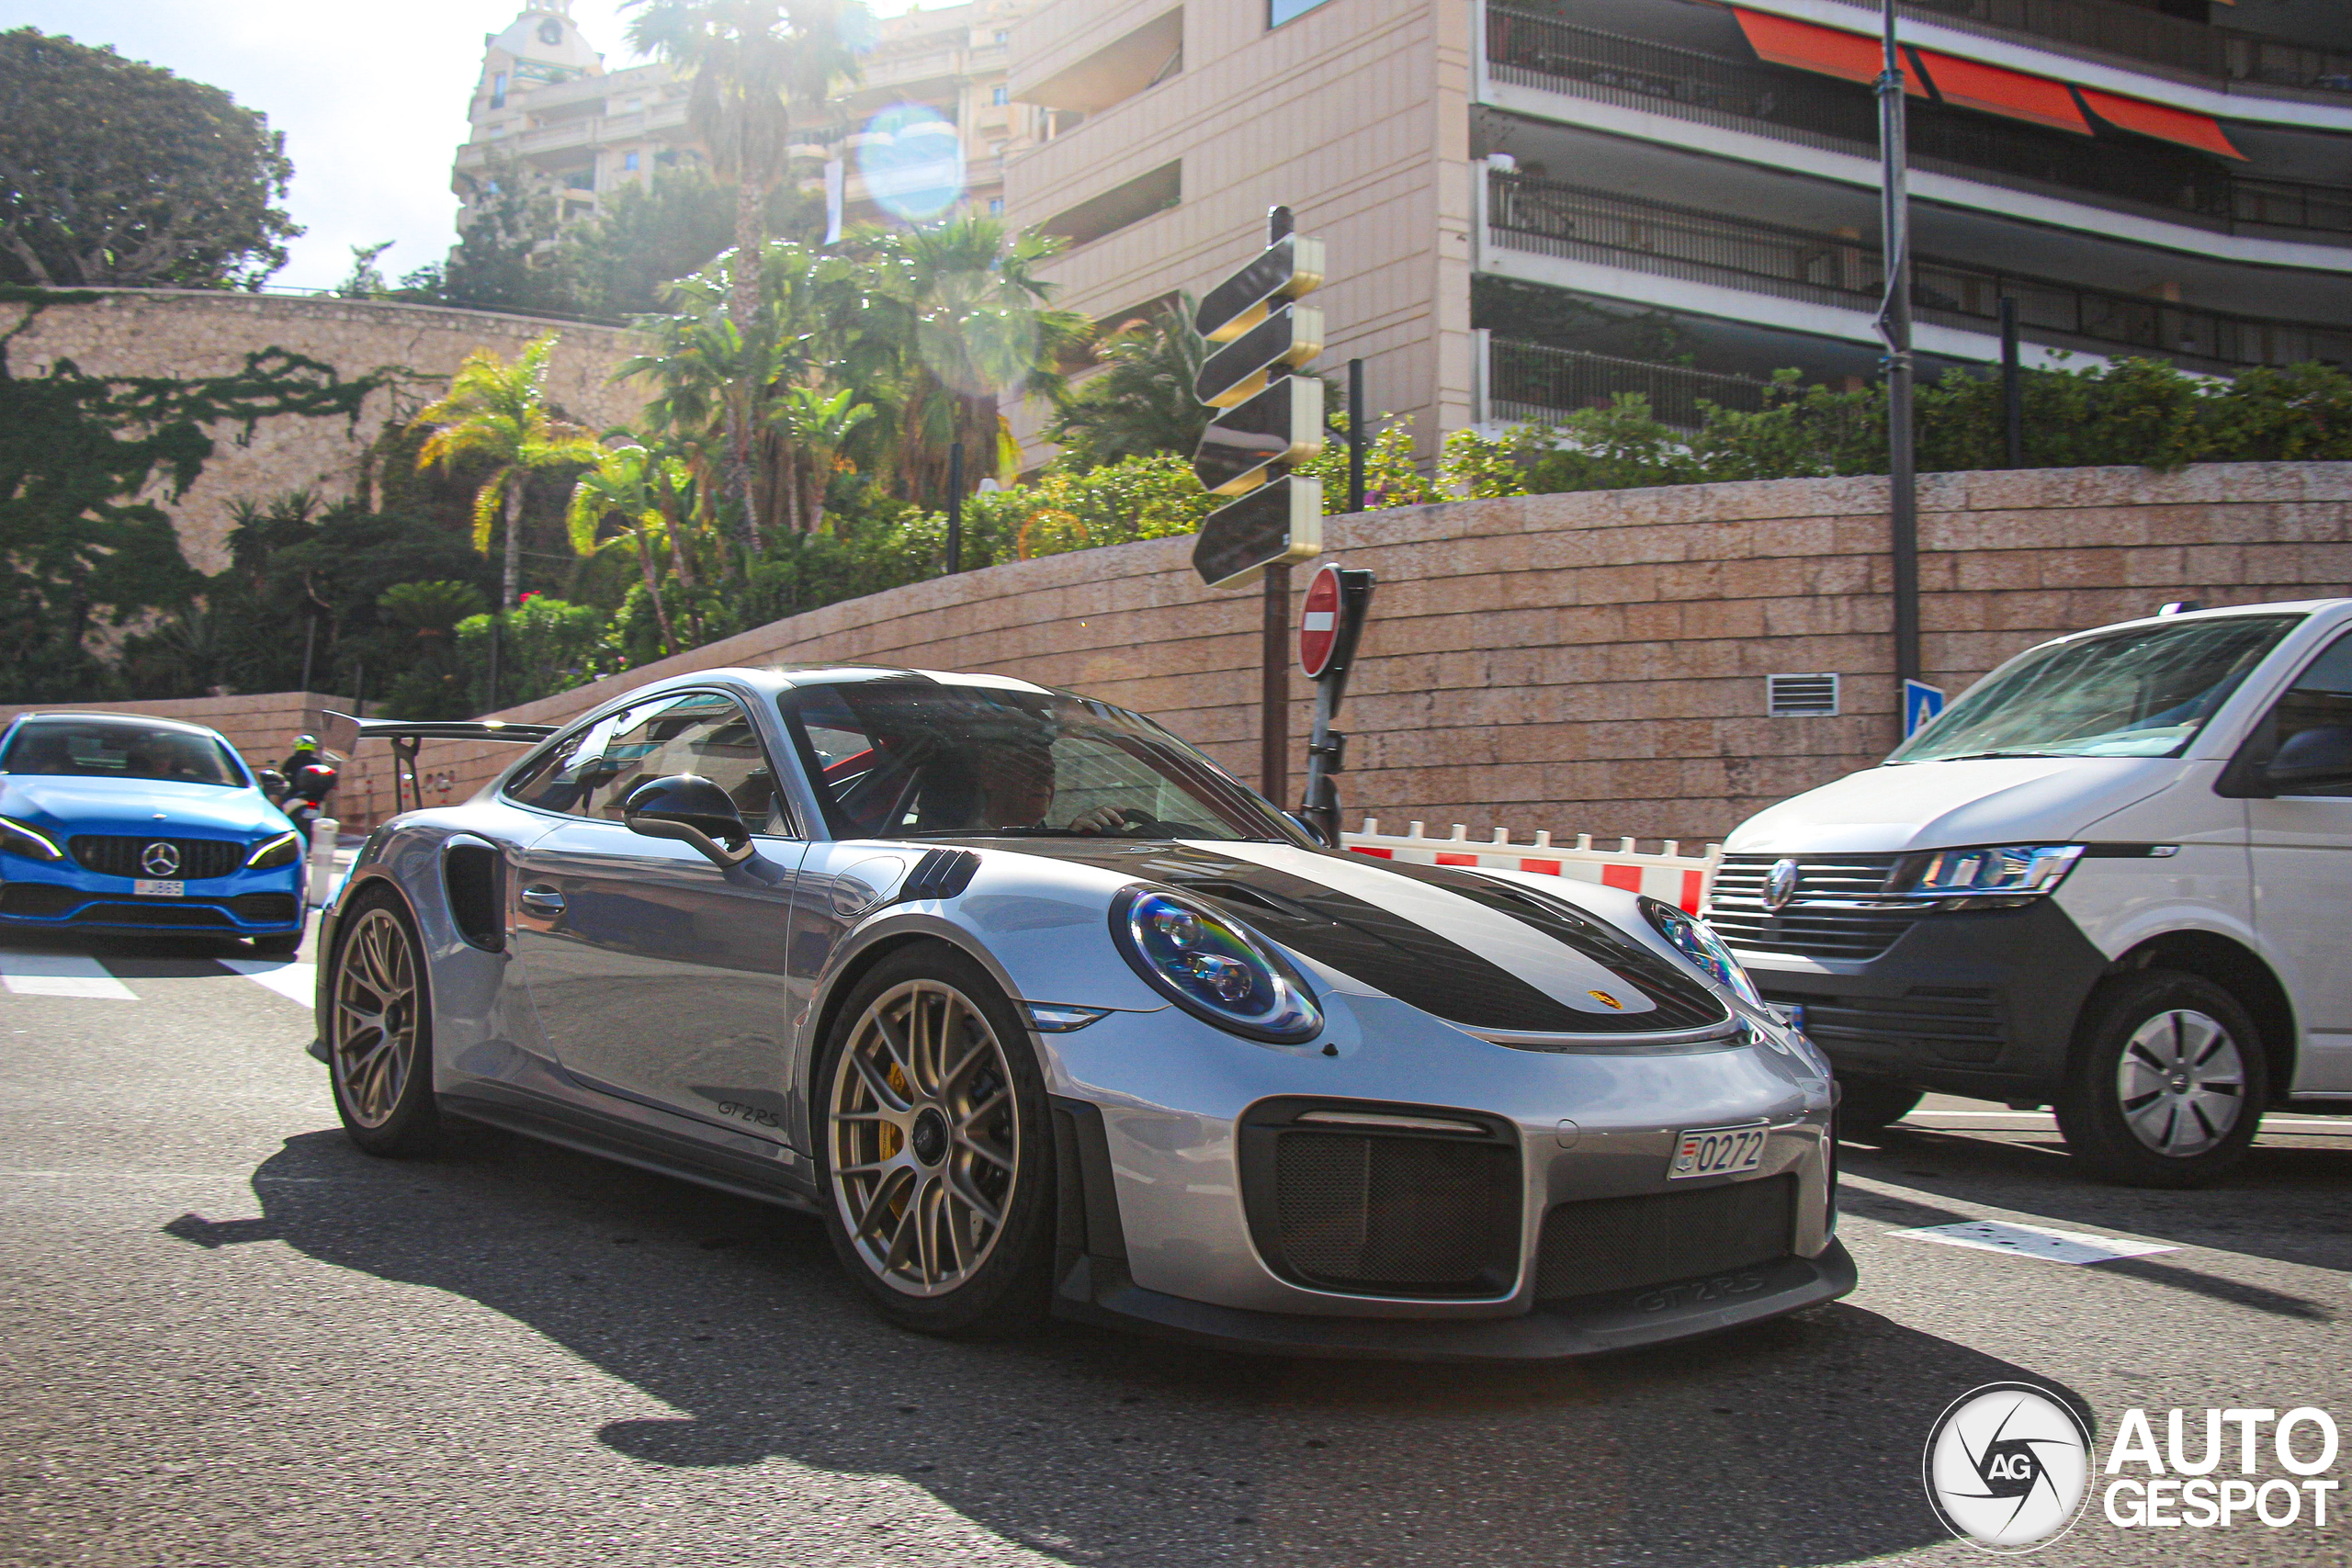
[(1010, 784)]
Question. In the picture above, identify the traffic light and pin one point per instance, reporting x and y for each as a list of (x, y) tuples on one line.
[(1270, 419)]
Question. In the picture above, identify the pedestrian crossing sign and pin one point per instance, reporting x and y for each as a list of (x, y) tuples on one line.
[(1921, 704)]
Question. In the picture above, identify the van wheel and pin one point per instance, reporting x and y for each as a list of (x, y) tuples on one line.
[(1870, 1105), (2169, 1083)]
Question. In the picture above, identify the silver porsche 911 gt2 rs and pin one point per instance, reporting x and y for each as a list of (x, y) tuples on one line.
[(1043, 1012)]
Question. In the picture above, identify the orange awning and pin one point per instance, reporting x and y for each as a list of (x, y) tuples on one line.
[(2201, 131), (1996, 90), (1832, 52)]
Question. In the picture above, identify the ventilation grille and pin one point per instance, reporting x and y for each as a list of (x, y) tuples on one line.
[(1829, 916), (265, 908), (1800, 697), (161, 912), (38, 900), (1958, 1023), (111, 855), (1396, 1215), (1630, 1243)]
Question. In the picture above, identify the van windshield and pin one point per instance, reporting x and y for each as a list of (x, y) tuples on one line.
[(2143, 693)]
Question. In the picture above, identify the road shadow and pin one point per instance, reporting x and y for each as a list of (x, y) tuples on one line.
[(2286, 1203), (1792, 1442)]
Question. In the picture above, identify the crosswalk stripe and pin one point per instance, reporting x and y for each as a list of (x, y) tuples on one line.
[(295, 982), (60, 974)]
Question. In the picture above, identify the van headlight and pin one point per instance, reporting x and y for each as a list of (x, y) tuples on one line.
[(1697, 940), (270, 853), (2005, 873), (1213, 968)]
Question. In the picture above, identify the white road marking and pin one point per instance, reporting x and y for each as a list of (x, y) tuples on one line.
[(295, 982), (2039, 1118), (2034, 1241), (60, 974)]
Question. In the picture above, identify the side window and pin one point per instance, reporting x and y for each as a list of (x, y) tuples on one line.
[(2320, 698), (704, 733)]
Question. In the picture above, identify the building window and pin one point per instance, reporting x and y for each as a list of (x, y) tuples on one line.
[(1000, 95), (1280, 11), (498, 91), (629, 161), (1002, 36), (635, 104), (551, 32), (499, 129), (996, 207), (580, 179)]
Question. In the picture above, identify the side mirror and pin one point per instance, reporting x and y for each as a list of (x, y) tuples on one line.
[(692, 810), (1312, 829), (2319, 758)]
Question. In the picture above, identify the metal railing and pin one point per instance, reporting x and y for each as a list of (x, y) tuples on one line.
[(2137, 32), (1535, 381), (1533, 51), (1577, 223)]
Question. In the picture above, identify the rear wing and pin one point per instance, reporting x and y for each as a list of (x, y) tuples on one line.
[(345, 732)]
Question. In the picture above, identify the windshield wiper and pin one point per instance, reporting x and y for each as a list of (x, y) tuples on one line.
[(1990, 756)]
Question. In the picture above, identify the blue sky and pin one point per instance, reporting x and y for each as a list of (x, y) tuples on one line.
[(372, 98)]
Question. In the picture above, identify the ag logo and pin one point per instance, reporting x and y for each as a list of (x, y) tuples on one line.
[(2007, 1466), (160, 859)]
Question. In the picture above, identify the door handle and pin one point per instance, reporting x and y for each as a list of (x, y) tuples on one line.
[(541, 899)]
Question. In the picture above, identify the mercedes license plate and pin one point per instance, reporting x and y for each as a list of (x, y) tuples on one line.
[(1716, 1151), (146, 889)]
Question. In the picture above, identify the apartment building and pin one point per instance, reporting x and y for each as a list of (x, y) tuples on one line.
[(926, 131), (1532, 204)]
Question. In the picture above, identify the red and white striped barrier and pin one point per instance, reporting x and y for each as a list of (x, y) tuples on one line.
[(1671, 877)]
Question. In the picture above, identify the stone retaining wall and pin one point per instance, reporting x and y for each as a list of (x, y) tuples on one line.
[(144, 332), (1595, 663)]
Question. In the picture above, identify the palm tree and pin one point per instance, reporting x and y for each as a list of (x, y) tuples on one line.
[(623, 484), (814, 424), (496, 410), (751, 59), (975, 327), (1145, 400)]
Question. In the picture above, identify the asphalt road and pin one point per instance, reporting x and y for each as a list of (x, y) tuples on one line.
[(227, 1338)]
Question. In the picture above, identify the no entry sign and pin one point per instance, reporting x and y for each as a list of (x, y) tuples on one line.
[(1318, 629)]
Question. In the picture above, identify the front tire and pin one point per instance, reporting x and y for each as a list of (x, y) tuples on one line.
[(2168, 1084), (379, 1031), (935, 1151)]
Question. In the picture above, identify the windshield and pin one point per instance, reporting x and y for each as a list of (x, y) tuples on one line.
[(110, 748), (906, 760), (2142, 693)]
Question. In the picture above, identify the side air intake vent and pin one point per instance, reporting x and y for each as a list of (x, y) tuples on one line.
[(1383, 1199), (475, 877)]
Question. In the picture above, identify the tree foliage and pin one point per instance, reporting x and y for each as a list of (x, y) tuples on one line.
[(112, 171), (1144, 401)]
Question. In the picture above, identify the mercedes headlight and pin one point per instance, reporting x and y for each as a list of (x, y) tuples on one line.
[(1213, 968), (1697, 942), (15, 838), (2009, 873), (270, 853)]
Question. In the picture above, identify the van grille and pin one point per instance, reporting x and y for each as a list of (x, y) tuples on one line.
[(1629, 1243), (1815, 923)]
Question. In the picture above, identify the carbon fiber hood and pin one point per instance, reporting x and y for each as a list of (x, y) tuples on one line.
[(1476, 952)]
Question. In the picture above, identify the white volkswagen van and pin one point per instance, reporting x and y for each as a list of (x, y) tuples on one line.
[(2114, 878)]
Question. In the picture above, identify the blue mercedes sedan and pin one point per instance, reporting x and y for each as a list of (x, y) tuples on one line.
[(123, 823)]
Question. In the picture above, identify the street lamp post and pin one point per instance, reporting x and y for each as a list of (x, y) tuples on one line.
[(1895, 330)]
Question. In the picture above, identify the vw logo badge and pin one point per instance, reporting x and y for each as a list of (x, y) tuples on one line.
[(160, 859), (1780, 883)]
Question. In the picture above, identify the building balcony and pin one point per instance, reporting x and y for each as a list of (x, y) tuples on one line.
[(1678, 258), (1533, 381), (2138, 33), (1527, 50)]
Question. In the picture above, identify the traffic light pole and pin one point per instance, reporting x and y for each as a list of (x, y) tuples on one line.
[(1273, 689)]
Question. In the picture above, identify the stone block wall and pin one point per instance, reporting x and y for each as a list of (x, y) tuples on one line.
[(1595, 663), (144, 332)]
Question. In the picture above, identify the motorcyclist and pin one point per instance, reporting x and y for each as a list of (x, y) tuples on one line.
[(305, 752)]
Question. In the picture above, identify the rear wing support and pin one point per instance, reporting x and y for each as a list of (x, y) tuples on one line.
[(345, 731)]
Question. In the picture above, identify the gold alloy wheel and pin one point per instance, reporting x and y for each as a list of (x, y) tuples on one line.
[(923, 1138), (375, 1017)]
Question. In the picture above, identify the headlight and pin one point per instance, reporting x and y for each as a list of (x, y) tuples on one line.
[(2006, 871), (1697, 942), (16, 839), (284, 850), (1212, 968)]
